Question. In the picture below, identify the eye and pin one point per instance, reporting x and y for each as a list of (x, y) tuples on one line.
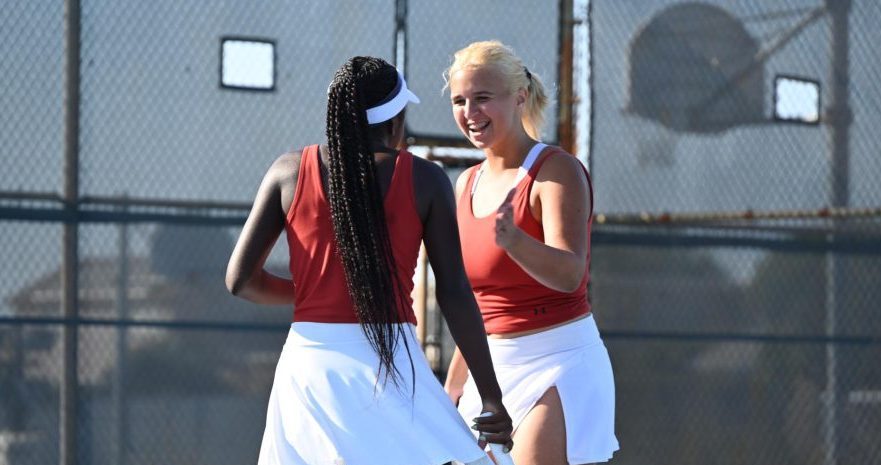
[(458, 101)]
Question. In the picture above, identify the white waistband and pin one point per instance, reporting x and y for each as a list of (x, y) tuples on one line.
[(569, 337), (310, 333)]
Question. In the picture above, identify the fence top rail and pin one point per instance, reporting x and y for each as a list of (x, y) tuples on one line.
[(123, 201), (637, 218), (643, 218), (841, 339)]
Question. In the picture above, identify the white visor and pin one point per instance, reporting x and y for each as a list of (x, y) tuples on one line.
[(393, 104)]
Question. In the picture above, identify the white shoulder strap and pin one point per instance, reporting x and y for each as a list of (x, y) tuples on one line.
[(522, 171), (528, 162)]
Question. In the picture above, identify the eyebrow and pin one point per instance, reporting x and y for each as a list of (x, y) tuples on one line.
[(476, 94)]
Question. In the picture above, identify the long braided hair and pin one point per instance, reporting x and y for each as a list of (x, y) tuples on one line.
[(356, 205)]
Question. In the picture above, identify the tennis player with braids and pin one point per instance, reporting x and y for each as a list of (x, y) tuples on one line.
[(526, 211), (352, 385)]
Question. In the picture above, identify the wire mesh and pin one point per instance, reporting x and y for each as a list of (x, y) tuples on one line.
[(31, 258), (29, 407), (757, 339), (31, 79), (166, 272), (207, 388), (155, 122), (697, 111), (784, 333), (436, 30)]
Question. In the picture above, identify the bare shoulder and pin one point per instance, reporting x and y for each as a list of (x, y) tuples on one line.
[(462, 180), (430, 186), (563, 168), (282, 177), (428, 175), (286, 165)]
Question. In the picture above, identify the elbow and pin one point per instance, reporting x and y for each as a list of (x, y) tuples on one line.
[(233, 286), (569, 286), (570, 282), (235, 283)]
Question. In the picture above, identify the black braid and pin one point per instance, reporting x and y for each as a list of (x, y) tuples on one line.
[(356, 206)]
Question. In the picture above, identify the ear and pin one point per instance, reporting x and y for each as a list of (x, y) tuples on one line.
[(399, 129), (522, 95), (397, 123)]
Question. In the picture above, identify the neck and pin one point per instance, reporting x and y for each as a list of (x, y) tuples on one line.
[(508, 154), (383, 146)]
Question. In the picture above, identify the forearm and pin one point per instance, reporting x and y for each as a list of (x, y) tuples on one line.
[(268, 289), (466, 327), (557, 269)]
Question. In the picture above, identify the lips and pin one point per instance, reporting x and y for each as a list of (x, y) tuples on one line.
[(476, 128)]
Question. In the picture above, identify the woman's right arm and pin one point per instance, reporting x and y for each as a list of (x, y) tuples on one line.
[(457, 372), (455, 298), (245, 275)]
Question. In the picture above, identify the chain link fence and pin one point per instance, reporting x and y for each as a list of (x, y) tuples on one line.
[(168, 367), (148, 359), (435, 30), (747, 339), (737, 257)]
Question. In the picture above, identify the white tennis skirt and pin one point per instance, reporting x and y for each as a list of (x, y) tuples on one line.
[(571, 357), (326, 407)]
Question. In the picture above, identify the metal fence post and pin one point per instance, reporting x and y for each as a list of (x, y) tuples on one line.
[(120, 410), (70, 239), (839, 117), (565, 121)]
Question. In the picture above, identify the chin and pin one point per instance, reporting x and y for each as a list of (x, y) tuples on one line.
[(481, 142), (478, 144)]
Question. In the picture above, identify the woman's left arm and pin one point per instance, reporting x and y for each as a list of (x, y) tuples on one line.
[(245, 275), (564, 198)]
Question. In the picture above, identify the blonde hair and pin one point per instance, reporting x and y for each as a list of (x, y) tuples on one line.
[(516, 75)]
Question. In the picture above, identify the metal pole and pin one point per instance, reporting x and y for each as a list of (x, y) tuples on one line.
[(19, 382), (420, 300), (565, 129), (839, 117), (70, 253), (580, 79), (838, 113), (434, 348), (590, 112), (120, 433), (400, 45), (400, 50), (830, 393)]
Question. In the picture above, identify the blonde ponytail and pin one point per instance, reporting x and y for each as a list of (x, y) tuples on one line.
[(536, 101)]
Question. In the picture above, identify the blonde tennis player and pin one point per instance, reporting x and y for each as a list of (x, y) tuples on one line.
[(526, 214)]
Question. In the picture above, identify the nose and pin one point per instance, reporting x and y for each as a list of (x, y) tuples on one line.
[(470, 109)]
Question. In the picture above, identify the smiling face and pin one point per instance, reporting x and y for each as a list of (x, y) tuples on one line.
[(485, 109)]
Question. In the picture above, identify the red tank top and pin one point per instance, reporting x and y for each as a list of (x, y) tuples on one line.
[(510, 300), (319, 278)]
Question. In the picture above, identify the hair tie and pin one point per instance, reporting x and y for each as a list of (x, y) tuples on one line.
[(528, 74)]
